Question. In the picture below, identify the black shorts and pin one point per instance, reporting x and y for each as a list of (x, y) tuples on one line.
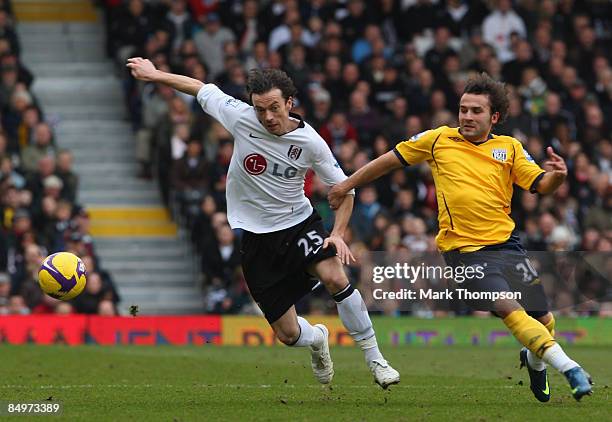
[(506, 268), (275, 264)]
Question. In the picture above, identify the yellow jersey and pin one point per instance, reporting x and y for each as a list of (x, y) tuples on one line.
[(473, 184)]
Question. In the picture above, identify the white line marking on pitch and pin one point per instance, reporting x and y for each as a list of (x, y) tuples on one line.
[(404, 386)]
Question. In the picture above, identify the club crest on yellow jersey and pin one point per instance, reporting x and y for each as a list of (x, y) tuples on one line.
[(500, 154)]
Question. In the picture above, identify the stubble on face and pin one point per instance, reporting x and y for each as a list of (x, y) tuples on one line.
[(272, 111), (475, 119)]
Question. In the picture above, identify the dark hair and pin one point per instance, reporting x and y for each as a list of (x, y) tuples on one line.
[(261, 81), (483, 84)]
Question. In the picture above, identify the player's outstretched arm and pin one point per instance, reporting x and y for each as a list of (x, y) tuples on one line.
[(336, 238), (556, 172), (371, 171), (144, 70)]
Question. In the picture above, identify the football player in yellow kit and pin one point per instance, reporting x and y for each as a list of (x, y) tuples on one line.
[(474, 172)]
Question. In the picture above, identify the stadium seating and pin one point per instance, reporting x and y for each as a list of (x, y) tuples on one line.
[(367, 78), (40, 183)]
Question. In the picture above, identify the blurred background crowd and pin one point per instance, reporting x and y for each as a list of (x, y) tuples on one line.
[(39, 211), (369, 74)]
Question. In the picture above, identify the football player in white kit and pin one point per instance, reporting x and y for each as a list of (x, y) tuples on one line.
[(285, 247)]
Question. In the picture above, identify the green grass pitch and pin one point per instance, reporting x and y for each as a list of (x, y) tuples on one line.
[(275, 383)]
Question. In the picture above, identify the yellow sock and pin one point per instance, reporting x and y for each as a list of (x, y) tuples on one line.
[(550, 326), (530, 332)]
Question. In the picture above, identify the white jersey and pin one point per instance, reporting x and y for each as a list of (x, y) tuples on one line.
[(265, 181)]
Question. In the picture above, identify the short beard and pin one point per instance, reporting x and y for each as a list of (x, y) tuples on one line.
[(479, 137)]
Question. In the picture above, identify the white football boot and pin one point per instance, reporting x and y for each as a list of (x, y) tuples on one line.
[(384, 374), (322, 365)]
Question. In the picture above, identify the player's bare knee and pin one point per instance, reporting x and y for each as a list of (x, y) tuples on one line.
[(335, 282), (545, 319), (504, 307)]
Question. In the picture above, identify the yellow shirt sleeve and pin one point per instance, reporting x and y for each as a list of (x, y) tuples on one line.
[(418, 148), (525, 172)]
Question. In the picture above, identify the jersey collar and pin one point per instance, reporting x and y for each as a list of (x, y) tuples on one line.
[(300, 125), (489, 137), (298, 117)]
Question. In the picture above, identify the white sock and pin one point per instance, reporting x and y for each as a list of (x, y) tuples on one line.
[(354, 316), (535, 362), (309, 335), (370, 348), (556, 357)]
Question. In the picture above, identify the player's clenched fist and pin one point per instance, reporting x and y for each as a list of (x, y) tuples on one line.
[(141, 68)]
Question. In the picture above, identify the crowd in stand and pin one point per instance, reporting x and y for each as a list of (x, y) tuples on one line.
[(370, 74), (39, 212)]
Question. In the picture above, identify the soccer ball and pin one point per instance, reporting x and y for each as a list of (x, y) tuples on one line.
[(62, 276)]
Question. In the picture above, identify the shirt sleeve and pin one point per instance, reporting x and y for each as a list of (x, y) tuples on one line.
[(416, 149), (224, 108), (326, 166), (525, 172)]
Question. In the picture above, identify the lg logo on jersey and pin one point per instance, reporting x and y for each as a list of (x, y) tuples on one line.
[(256, 164)]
